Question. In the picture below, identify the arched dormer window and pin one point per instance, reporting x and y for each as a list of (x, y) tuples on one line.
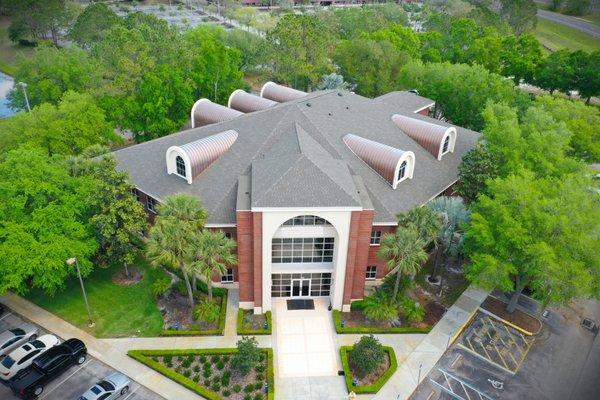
[(402, 170), (446, 144), (190, 159), (180, 164)]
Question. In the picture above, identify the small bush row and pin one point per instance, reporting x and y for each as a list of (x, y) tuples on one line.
[(337, 321)]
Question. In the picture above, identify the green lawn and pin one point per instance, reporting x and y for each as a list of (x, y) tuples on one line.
[(118, 311), (555, 36), (8, 50)]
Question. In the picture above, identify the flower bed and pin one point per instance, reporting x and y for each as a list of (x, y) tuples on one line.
[(337, 321), (375, 386), (189, 367), (203, 332), (258, 320)]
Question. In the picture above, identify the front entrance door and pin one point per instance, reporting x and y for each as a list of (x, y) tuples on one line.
[(300, 287)]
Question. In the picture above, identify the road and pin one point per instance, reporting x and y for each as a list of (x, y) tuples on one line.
[(572, 22)]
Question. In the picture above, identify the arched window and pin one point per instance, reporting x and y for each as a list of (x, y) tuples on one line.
[(180, 164), (446, 144), (402, 170)]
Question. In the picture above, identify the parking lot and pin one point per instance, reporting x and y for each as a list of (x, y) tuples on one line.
[(562, 363), (75, 381)]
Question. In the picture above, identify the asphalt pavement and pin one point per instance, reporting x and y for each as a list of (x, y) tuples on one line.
[(76, 380), (572, 22)]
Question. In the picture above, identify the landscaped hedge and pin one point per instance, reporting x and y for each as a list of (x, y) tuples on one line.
[(373, 388), (337, 321), (246, 331), (143, 356), (207, 332)]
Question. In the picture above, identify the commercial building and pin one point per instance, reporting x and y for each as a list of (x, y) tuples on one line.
[(306, 183)]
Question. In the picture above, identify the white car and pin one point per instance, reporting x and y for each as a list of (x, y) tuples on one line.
[(109, 388), (10, 339), (23, 356)]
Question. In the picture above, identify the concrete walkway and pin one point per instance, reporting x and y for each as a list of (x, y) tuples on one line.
[(103, 350), (426, 354)]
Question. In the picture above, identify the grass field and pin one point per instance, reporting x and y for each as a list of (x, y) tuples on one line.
[(8, 50), (555, 36), (117, 311)]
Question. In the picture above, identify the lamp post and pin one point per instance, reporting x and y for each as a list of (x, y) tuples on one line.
[(24, 87), (73, 261)]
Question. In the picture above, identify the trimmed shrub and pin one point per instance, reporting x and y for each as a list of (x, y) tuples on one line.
[(373, 388), (248, 397), (247, 356), (226, 392), (260, 368), (202, 359), (216, 386), (225, 380), (249, 388), (207, 373), (258, 385), (260, 377), (412, 310), (367, 354), (237, 388), (215, 358), (220, 365), (380, 306), (258, 396)]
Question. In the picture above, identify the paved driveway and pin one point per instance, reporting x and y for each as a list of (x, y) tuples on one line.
[(72, 383), (572, 22)]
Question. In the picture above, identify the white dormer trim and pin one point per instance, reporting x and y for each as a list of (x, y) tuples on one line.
[(192, 119), (409, 158), (172, 153), (451, 133)]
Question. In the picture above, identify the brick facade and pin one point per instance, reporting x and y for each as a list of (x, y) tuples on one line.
[(373, 249), (257, 235), (358, 254), (245, 250)]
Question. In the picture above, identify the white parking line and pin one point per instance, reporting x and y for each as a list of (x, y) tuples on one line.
[(132, 392), (64, 380), (5, 315)]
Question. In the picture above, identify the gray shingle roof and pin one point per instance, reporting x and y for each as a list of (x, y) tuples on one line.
[(294, 156)]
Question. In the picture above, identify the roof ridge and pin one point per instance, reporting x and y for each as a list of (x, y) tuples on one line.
[(338, 161), (299, 157)]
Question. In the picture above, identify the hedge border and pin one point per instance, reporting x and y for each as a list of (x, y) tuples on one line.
[(208, 332), (337, 322), (244, 331), (143, 356), (375, 387)]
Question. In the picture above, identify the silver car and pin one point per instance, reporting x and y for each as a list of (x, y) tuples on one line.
[(15, 337), (111, 387)]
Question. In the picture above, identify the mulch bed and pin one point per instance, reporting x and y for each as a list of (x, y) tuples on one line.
[(371, 378), (176, 309), (518, 317), (253, 321), (356, 319), (208, 371), (121, 279), (434, 311)]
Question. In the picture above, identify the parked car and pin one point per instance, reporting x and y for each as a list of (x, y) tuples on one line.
[(10, 339), (29, 383), (22, 357), (109, 388)]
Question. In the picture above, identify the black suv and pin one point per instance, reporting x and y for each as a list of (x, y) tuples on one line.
[(29, 383)]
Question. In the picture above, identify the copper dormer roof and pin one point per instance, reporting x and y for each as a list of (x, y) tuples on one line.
[(279, 93), (430, 136), (200, 154), (246, 102), (383, 159), (205, 112)]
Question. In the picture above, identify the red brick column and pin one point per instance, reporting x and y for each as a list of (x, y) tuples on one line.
[(351, 258), (362, 253), (245, 252), (257, 242)]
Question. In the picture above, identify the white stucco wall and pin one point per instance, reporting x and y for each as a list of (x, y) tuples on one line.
[(339, 218)]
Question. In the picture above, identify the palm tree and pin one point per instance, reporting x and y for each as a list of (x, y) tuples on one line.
[(171, 239), (454, 215), (426, 222), (213, 253), (404, 251)]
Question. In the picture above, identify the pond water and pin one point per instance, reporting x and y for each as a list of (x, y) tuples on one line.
[(6, 84)]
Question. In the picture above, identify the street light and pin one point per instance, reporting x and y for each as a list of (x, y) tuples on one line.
[(73, 261), (24, 87)]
